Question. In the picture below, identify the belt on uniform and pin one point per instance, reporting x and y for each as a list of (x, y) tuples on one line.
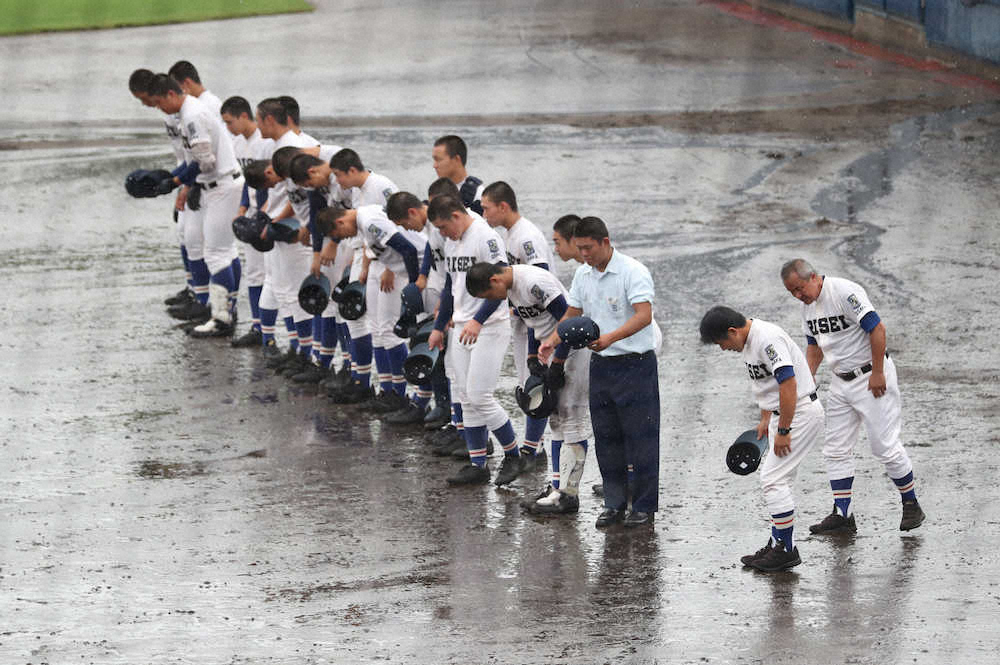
[(812, 397), (621, 357), (861, 371), (215, 183)]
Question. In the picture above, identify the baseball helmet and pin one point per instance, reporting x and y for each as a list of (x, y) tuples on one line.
[(285, 230), (535, 399), (142, 183), (420, 363), (745, 454), (412, 304), (337, 295), (314, 294), (578, 331), (352, 301), (248, 230)]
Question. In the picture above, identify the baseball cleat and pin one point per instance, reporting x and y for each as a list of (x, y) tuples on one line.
[(354, 393), (528, 502), (777, 559), (276, 362), (436, 418), (511, 467), (179, 298), (212, 328), (251, 338), (312, 374), (913, 516), (834, 523), (411, 414), (471, 475), (270, 351), (190, 311), (748, 559), (556, 503), (389, 402)]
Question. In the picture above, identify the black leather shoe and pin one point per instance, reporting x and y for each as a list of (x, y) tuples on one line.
[(608, 517), (637, 518)]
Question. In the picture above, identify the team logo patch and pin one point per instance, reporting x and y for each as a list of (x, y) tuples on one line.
[(613, 304), (529, 249), (375, 231), (493, 246), (855, 304), (772, 355), (192, 130), (537, 292), (387, 192)]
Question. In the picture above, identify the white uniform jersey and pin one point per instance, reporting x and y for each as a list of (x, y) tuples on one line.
[(213, 103), (478, 243), (532, 291), (172, 123), (375, 229), (767, 349), (834, 321), (376, 191), (200, 125), (299, 196), (248, 149), (525, 244)]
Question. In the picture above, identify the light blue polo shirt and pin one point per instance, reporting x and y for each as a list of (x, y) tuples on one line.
[(607, 298)]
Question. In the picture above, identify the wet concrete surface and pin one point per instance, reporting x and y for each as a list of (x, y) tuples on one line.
[(166, 500)]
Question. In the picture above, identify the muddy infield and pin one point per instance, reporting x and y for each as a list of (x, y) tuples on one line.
[(166, 500)]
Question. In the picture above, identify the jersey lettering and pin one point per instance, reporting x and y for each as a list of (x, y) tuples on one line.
[(528, 311), (460, 263), (758, 372), (827, 324)]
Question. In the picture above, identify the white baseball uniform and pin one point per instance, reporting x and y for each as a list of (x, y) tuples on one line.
[(834, 322), (474, 369), (768, 348), (247, 150), (289, 262), (533, 290), (208, 142)]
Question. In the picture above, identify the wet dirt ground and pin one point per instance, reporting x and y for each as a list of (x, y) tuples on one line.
[(168, 500)]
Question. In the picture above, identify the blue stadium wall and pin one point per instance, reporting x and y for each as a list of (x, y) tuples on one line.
[(970, 27)]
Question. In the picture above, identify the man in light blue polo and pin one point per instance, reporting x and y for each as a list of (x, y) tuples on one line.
[(616, 292)]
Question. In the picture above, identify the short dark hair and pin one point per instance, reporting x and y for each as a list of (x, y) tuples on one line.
[(182, 69), (443, 187), (477, 280), (282, 157), (717, 321), (501, 192), (591, 227), (254, 173), (161, 84), (139, 80), (566, 225), (272, 107), (291, 107), (344, 159), (327, 216), (398, 205), (454, 145), (237, 106), (298, 168), (441, 208)]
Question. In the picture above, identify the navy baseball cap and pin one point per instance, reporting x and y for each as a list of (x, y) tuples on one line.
[(578, 331)]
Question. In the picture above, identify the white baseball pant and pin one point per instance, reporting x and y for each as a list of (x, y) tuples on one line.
[(778, 473), (474, 370)]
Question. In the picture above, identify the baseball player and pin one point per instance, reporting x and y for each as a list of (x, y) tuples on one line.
[(187, 78), (138, 84), (841, 325), (288, 263), (562, 238), (249, 146), (391, 270), (450, 154), (538, 298), (366, 188), (209, 151), (310, 171), (526, 245), (477, 341), (783, 386)]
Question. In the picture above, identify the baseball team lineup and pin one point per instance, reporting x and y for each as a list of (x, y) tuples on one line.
[(434, 287)]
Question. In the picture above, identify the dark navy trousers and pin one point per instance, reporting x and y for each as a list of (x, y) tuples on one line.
[(625, 414)]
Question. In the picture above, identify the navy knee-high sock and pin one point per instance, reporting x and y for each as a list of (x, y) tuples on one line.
[(293, 334), (253, 293), (328, 342), (200, 278), (361, 356), (397, 356), (268, 320)]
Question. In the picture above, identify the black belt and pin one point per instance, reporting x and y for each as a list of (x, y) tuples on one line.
[(215, 183), (861, 371), (624, 356), (812, 396)]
